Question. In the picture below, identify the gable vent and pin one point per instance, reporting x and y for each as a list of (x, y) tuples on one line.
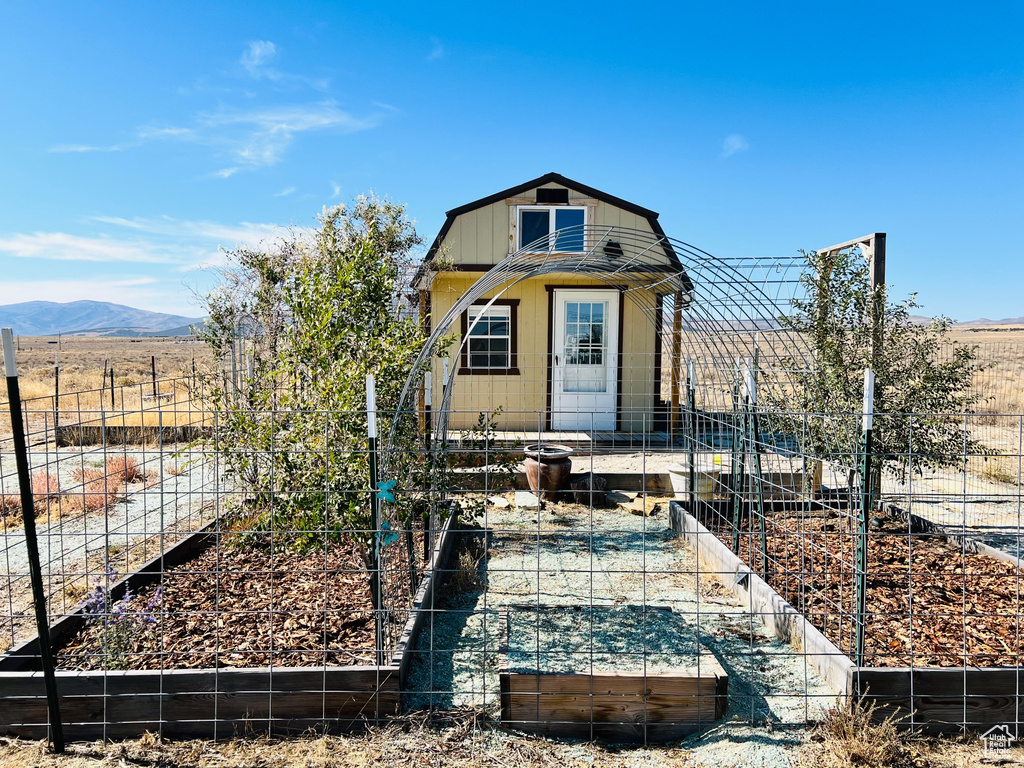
[(549, 196)]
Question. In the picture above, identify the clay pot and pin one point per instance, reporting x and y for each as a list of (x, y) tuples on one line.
[(547, 469)]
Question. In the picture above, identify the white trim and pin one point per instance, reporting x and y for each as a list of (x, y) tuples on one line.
[(585, 410)]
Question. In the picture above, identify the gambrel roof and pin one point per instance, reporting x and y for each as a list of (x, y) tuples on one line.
[(552, 178)]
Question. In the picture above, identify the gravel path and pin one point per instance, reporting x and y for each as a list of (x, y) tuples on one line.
[(74, 545), (987, 510), (614, 563)]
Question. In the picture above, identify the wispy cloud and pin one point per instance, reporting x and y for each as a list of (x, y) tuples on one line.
[(259, 138), (62, 148), (255, 57), (247, 138), (171, 132), (734, 143), (285, 192), (182, 244), (226, 235), (335, 191), (60, 246), (436, 51)]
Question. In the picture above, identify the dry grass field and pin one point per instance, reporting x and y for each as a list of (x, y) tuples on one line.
[(84, 364), (999, 348), (1002, 383), (82, 361), (463, 739)]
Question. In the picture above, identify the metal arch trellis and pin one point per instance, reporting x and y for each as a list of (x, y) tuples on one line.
[(730, 306), (729, 335)]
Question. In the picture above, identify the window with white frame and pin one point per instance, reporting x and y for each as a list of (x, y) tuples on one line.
[(543, 222), (489, 339)]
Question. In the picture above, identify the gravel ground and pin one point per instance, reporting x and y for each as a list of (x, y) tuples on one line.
[(573, 557), (987, 510), (990, 511), (74, 545)]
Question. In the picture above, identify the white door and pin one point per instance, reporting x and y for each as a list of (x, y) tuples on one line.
[(585, 365)]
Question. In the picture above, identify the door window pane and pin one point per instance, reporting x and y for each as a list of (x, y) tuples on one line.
[(583, 343)]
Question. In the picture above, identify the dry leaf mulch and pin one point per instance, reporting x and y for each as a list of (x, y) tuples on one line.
[(929, 602), (241, 606)]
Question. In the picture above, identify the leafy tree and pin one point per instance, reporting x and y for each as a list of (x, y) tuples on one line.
[(298, 327), (922, 378)]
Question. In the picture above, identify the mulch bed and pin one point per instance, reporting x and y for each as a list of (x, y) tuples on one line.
[(929, 602), (242, 606)]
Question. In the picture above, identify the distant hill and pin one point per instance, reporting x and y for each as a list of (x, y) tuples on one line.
[(100, 318), (986, 321)]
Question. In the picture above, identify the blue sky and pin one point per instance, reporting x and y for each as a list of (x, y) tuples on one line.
[(137, 139)]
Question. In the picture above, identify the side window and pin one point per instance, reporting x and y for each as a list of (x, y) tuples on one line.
[(489, 339)]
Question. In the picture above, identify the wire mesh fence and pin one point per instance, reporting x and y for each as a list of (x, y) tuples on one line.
[(708, 556), (112, 488)]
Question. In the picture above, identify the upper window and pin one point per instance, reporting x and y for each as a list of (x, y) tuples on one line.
[(489, 339), (543, 222)]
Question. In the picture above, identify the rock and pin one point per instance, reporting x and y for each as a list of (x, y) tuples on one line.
[(619, 497), (590, 489), (526, 500), (498, 502), (642, 506)]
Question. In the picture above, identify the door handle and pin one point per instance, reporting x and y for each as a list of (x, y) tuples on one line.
[(556, 359)]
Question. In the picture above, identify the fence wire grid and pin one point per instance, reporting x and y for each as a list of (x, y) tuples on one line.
[(188, 600)]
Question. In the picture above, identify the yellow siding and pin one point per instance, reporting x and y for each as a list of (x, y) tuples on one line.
[(524, 397), (484, 237)]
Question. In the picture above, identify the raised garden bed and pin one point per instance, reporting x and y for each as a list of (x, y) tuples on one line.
[(618, 673), (242, 606), (933, 698), (297, 685), (930, 602)]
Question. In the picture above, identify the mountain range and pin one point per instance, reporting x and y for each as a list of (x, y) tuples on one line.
[(101, 318), (94, 318)]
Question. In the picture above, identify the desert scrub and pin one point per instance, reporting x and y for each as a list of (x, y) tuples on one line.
[(852, 733), (305, 323)]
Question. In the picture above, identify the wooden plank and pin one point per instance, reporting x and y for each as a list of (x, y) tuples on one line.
[(255, 680), (611, 683), (943, 700), (173, 707), (613, 705)]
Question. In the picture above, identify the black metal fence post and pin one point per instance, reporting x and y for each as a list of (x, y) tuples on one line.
[(31, 542)]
